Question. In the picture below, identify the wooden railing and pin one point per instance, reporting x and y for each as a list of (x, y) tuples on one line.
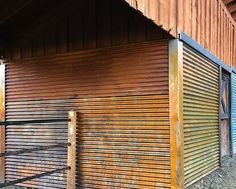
[(71, 155), (71, 146)]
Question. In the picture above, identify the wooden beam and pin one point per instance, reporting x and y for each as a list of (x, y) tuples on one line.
[(232, 7), (71, 154), (228, 1), (234, 15), (2, 118), (11, 8), (176, 113), (43, 21)]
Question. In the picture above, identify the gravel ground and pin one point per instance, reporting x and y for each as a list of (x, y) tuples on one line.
[(224, 178)]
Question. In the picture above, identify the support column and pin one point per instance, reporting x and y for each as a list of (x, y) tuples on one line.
[(2, 118), (71, 154), (176, 113)]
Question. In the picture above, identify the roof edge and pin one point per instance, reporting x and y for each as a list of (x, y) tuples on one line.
[(189, 41)]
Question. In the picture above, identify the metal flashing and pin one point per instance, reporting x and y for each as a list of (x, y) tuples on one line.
[(189, 41)]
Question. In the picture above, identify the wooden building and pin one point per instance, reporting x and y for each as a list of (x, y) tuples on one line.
[(143, 78), (231, 6)]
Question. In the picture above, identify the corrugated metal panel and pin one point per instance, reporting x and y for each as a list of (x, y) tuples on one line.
[(121, 94), (233, 119), (201, 116), (2, 118), (29, 135)]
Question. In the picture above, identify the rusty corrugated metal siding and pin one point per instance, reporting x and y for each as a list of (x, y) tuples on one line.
[(201, 115), (121, 95), (29, 135), (2, 118)]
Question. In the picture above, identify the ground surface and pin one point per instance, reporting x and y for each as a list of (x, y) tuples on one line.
[(224, 178)]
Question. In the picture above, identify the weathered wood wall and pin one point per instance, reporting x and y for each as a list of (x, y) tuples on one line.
[(207, 22), (83, 25)]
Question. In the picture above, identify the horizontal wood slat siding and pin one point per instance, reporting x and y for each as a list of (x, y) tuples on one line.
[(201, 116), (121, 95), (207, 22)]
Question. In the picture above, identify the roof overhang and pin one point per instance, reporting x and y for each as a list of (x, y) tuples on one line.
[(231, 6)]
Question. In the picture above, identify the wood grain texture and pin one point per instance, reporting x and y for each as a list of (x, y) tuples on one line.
[(71, 152), (176, 113), (190, 16)]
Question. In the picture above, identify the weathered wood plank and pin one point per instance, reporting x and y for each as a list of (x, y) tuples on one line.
[(71, 153), (176, 114), (195, 19)]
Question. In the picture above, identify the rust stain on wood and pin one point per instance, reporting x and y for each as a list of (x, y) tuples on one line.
[(176, 114)]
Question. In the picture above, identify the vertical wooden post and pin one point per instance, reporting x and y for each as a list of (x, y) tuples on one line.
[(2, 118), (220, 97), (71, 154), (176, 113)]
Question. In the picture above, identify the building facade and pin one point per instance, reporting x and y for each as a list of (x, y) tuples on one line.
[(154, 92)]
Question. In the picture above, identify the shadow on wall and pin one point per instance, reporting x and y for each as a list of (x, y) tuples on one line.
[(75, 28)]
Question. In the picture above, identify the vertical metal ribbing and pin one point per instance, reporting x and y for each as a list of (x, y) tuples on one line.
[(233, 118)]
